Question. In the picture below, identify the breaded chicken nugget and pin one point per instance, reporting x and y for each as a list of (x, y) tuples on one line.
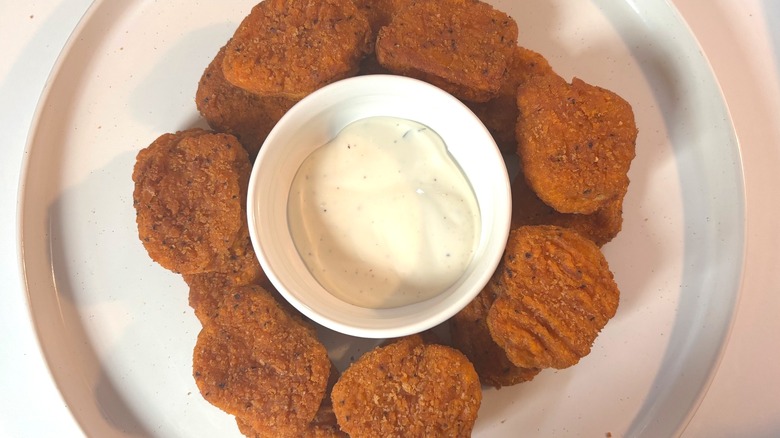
[(208, 289), (380, 13), (470, 335), (289, 48), (499, 115), (556, 294), (189, 196), (576, 143), (600, 227), (257, 362), (235, 111), (323, 425), (461, 46), (408, 389)]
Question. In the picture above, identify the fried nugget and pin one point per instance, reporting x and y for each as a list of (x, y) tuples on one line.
[(600, 227), (289, 48), (576, 142), (235, 111), (499, 115), (189, 196), (324, 424), (556, 294), (409, 389), (470, 335), (461, 46), (257, 362), (208, 289)]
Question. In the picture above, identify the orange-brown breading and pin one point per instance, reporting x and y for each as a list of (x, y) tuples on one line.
[(208, 289), (189, 196), (289, 48), (461, 46), (470, 335), (233, 110), (576, 142), (324, 424), (380, 12), (600, 227), (499, 115), (409, 389), (556, 294), (257, 362)]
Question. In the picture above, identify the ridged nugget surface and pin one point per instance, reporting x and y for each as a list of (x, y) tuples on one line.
[(232, 110), (189, 196), (471, 335), (289, 48), (461, 46), (257, 362), (576, 143), (408, 389), (556, 294)]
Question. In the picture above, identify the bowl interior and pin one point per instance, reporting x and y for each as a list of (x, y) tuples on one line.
[(316, 120)]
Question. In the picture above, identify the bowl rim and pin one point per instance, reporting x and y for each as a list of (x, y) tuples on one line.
[(324, 103)]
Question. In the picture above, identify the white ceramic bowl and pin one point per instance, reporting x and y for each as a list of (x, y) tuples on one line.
[(316, 120)]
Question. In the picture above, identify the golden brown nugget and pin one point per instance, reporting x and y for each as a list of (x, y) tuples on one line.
[(208, 289), (556, 294), (261, 364), (461, 46), (499, 115), (289, 48), (470, 335), (324, 424), (189, 196), (576, 142), (408, 389), (235, 111), (600, 227)]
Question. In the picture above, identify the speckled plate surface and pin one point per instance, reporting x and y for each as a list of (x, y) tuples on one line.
[(116, 329)]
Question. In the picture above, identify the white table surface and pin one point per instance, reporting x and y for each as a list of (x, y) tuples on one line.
[(741, 38)]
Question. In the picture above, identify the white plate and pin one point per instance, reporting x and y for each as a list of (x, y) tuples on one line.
[(116, 328)]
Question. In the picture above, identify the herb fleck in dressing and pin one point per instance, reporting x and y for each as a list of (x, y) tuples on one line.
[(382, 215)]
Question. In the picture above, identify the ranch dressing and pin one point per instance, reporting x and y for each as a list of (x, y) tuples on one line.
[(382, 215)]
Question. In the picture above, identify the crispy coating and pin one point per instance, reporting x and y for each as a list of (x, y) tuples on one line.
[(600, 227), (461, 46), (257, 362), (380, 13), (232, 110), (470, 335), (576, 142), (208, 289), (289, 48), (408, 389), (189, 196), (324, 424), (556, 294), (499, 115)]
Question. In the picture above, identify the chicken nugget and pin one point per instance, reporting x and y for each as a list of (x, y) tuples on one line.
[(556, 294), (576, 142), (499, 115), (470, 335), (408, 389), (208, 289), (600, 227), (461, 46), (189, 196), (257, 362), (235, 111), (289, 48), (324, 424)]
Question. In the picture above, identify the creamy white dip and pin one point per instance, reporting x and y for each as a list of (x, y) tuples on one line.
[(382, 215)]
